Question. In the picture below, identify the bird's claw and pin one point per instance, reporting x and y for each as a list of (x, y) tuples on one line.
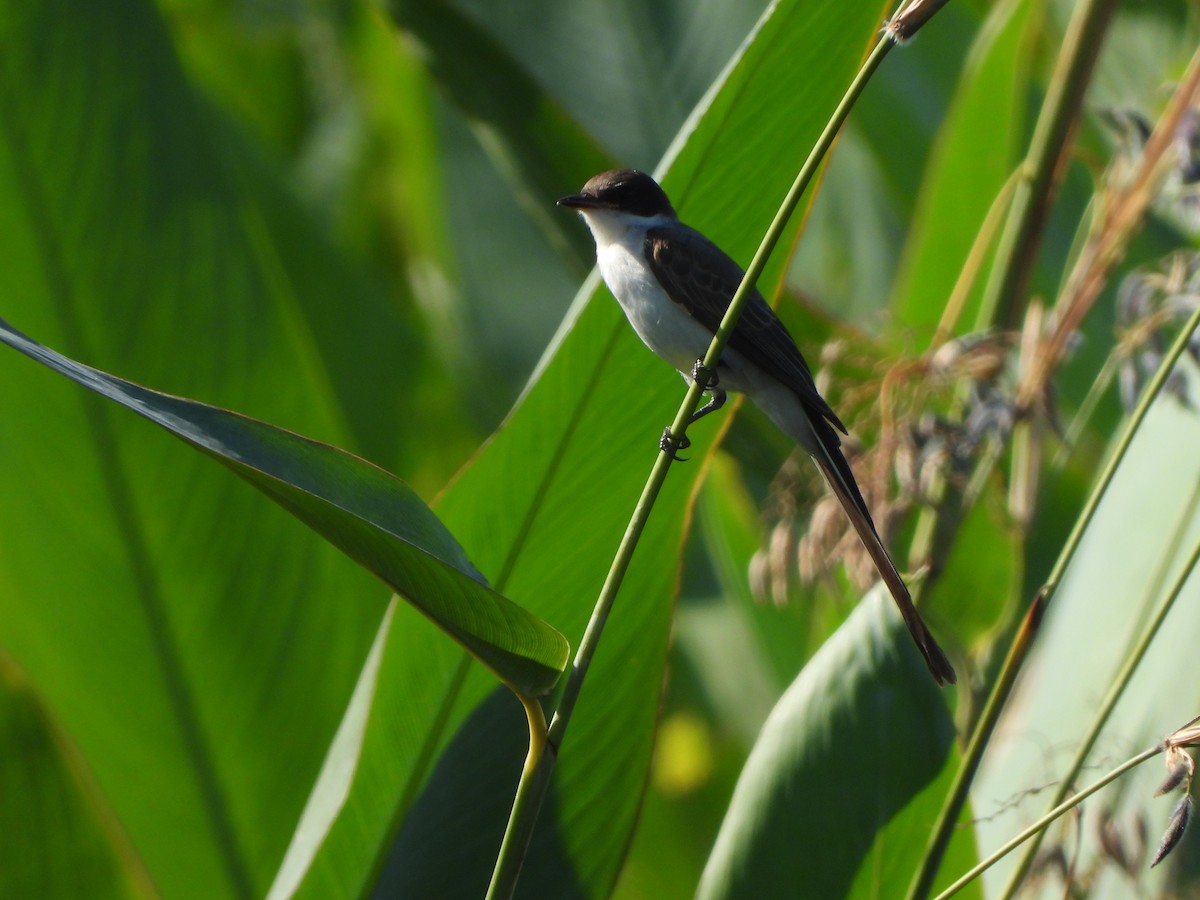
[(707, 379), (704, 376), (671, 445)]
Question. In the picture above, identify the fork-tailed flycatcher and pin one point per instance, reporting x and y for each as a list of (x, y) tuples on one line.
[(674, 285)]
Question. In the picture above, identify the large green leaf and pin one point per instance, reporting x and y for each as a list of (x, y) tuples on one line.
[(66, 840), (859, 734), (546, 502), (976, 153), (535, 145), (371, 515), (979, 586), (193, 643)]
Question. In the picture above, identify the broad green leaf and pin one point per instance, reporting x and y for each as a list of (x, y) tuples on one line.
[(535, 145), (194, 643), (66, 840), (370, 515), (730, 639), (859, 734), (888, 869), (975, 154), (545, 503), (337, 773)]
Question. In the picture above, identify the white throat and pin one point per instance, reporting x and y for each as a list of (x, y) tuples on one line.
[(660, 323), (610, 226)]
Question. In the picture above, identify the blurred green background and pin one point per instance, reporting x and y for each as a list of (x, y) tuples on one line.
[(337, 217)]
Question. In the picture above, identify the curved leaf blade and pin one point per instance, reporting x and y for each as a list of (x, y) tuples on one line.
[(200, 664), (369, 514), (859, 734)]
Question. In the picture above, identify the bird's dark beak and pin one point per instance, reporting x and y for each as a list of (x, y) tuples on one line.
[(579, 201)]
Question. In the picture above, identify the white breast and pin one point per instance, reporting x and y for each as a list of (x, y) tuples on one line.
[(672, 333), (663, 327)]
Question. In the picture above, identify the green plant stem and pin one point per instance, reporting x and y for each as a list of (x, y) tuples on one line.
[(1120, 682), (1031, 202), (952, 808), (1087, 408), (535, 779), (943, 828), (1045, 820), (1143, 643)]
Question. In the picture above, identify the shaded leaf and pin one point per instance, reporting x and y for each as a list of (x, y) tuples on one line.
[(68, 843), (858, 735), (535, 145), (369, 514), (333, 784), (194, 644), (975, 154), (979, 584)]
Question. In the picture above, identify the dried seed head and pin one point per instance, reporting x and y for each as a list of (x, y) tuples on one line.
[(1150, 305), (1175, 829), (1177, 198), (859, 565), (1187, 735), (832, 352), (779, 560), (1135, 297), (1111, 842), (1187, 144), (978, 357), (1179, 769), (904, 464), (818, 547), (1052, 859), (991, 415), (760, 579)]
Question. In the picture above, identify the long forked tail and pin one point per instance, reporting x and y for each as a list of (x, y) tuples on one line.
[(851, 499)]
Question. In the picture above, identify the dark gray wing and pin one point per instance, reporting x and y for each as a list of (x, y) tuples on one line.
[(690, 265)]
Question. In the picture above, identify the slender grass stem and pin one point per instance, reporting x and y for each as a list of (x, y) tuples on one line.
[(1014, 259), (1143, 643), (1045, 820), (1019, 240), (1120, 682), (535, 779), (923, 881)]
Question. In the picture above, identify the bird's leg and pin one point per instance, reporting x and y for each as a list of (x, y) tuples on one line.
[(707, 379), (703, 375), (671, 445)]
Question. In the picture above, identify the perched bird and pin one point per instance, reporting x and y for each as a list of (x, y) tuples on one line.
[(674, 285)]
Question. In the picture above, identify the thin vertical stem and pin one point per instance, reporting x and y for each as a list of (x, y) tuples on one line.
[(535, 780)]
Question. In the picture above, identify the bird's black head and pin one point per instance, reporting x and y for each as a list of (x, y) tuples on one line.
[(622, 190)]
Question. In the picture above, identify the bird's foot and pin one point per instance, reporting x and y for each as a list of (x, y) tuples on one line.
[(707, 378), (671, 445), (704, 376), (715, 402)]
